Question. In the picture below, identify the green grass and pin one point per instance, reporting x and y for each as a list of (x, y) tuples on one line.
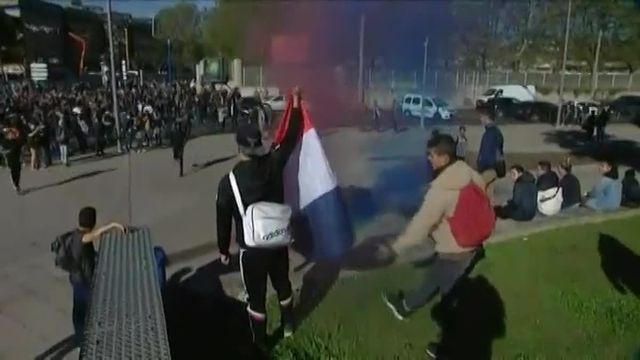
[(544, 298)]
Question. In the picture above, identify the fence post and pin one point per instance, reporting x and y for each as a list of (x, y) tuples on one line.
[(526, 75), (613, 80), (457, 77), (544, 78), (630, 82), (261, 77), (474, 80), (579, 80), (488, 75), (435, 80), (244, 76), (464, 77), (415, 79), (507, 81)]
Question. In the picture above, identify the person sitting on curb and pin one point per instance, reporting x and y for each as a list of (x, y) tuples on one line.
[(630, 190), (607, 193), (523, 204), (549, 190), (570, 185)]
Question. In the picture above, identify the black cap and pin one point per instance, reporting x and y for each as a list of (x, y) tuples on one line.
[(249, 139)]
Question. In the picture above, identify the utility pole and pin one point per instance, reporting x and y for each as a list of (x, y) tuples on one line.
[(361, 60), (564, 64), (169, 74), (126, 46), (596, 63), (424, 80), (114, 95)]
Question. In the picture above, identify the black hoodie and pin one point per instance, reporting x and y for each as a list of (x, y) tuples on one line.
[(524, 203), (259, 179)]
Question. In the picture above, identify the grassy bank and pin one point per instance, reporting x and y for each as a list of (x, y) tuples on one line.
[(569, 293)]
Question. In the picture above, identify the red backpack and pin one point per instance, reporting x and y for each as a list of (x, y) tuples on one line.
[(473, 219)]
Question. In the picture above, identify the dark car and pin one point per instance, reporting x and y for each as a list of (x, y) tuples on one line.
[(505, 107), (626, 108)]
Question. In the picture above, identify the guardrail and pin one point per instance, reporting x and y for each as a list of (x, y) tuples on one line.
[(126, 317)]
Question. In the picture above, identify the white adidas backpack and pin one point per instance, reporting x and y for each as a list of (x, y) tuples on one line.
[(265, 224)]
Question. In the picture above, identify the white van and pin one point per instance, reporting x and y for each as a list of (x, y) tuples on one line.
[(414, 104), (519, 92)]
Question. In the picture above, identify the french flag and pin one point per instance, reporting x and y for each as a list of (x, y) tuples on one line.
[(321, 225)]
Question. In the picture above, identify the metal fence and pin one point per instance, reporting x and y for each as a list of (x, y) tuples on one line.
[(448, 80)]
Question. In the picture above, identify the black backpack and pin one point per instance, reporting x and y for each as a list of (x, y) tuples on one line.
[(61, 247)]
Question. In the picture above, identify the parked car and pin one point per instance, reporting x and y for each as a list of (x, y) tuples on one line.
[(519, 92), (415, 105), (506, 107), (275, 103), (626, 108)]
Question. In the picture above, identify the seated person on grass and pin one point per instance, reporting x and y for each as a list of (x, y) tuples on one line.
[(522, 206), (549, 198), (630, 190), (570, 185), (607, 193)]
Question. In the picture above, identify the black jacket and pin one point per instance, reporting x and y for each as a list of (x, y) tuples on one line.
[(524, 203), (259, 179), (571, 192), (547, 181), (630, 191)]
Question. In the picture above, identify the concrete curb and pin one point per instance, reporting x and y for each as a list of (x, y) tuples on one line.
[(595, 218)]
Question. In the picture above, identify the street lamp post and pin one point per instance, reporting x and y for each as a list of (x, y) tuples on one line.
[(424, 81), (361, 61), (114, 95), (564, 65)]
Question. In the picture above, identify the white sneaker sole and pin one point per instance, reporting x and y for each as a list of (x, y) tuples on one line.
[(392, 308)]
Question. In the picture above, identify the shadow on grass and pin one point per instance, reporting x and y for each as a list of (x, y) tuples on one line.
[(620, 265), (202, 320), (471, 318), (372, 253), (625, 152)]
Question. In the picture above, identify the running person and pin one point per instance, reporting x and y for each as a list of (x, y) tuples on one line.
[(12, 148)]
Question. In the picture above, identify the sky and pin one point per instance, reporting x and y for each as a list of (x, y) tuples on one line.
[(137, 8)]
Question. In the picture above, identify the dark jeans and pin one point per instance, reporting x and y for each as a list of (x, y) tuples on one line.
[(15, 167), (81, 297), (441, 277)]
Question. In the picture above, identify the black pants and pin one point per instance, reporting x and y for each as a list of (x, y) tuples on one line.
[(46, 154), (81, 296), (15, 168), (441, 277), (600, 134), (256, 265)]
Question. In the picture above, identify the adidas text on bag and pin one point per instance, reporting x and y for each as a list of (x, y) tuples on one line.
[(265, 224), (473, 219)]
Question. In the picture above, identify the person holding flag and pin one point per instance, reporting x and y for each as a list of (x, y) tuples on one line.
[(257, 181)]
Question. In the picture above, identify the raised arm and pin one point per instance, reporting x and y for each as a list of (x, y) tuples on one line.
[(95, 235), (292, 135)]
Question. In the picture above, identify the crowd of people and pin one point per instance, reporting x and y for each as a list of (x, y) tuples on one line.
[(57, 122)]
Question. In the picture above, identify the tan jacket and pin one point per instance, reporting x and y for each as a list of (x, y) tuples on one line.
[(439, 204)]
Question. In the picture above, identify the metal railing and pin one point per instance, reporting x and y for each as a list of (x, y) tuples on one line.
[(126, 317)]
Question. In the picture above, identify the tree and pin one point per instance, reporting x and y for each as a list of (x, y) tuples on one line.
[(182, 24)]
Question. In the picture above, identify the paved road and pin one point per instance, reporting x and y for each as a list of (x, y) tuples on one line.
[(34, 296)]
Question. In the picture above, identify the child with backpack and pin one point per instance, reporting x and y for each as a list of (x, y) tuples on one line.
[(75, 253), (457, 215)]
